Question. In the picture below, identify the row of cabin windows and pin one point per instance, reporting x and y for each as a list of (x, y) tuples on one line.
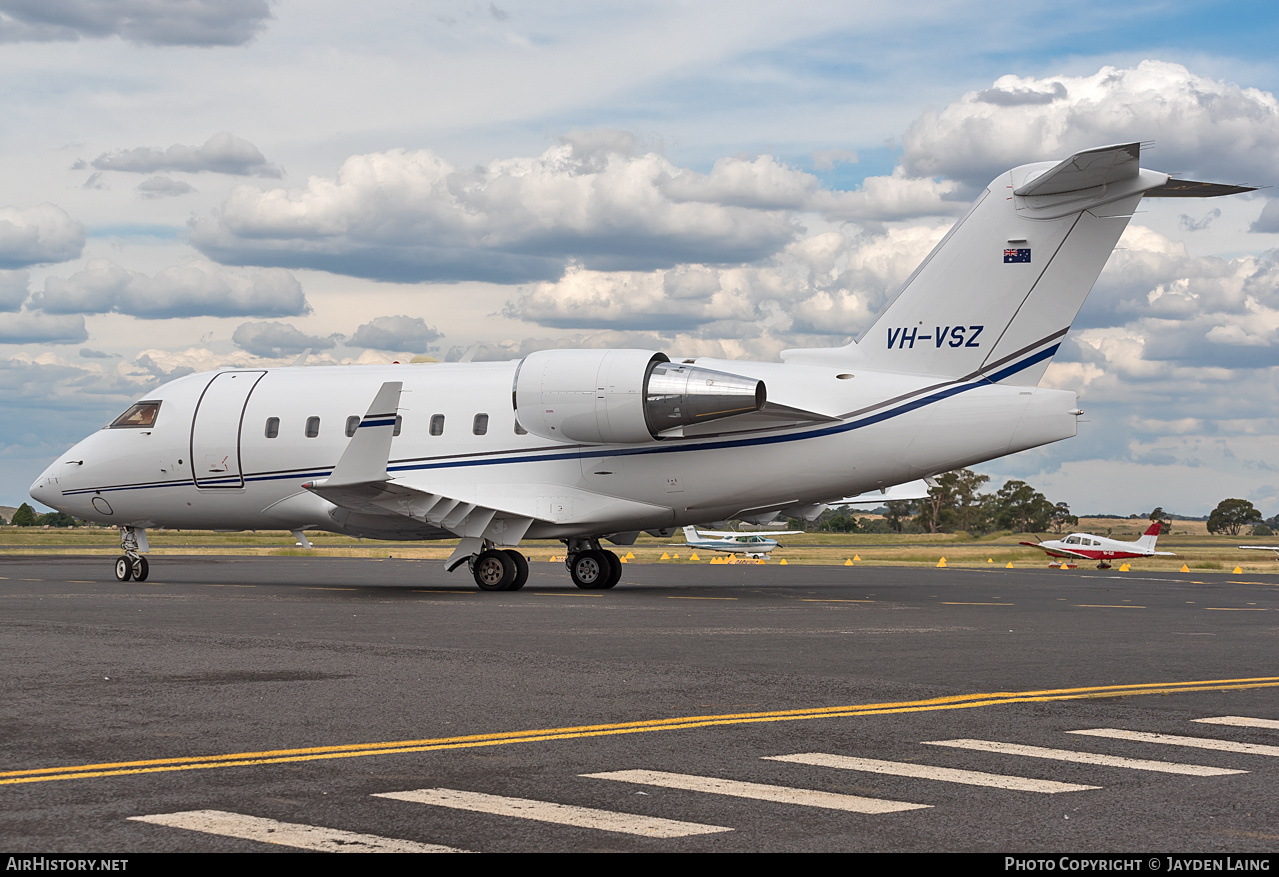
[(479, 426)]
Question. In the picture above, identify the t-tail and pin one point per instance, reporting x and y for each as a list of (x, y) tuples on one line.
[(996, 296), (690, 535)]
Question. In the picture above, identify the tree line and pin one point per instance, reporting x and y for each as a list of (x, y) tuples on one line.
[(956, 504)]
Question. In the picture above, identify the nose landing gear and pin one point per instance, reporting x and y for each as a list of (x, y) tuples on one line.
[(132, 565)]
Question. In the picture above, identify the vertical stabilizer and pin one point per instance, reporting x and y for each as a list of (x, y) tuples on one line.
[(996, 296), (1147, 540)]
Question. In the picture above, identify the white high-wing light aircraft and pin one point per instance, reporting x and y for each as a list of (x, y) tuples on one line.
[(584, 445), (756, 544)]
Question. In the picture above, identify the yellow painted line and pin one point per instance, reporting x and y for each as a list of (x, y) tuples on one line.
[(317, 753), (1236, 609), (701, 598), (950, 603), (309, 588), (833, 600), (1105, 606)]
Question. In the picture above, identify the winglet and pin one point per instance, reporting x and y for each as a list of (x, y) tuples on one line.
[(364, 459)]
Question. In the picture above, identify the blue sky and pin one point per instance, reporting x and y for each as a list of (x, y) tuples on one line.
[(223, 184)]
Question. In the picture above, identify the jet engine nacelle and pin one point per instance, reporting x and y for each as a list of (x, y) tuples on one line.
[(623, 396)]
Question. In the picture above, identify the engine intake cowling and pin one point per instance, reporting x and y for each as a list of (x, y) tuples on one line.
[(623, 396)]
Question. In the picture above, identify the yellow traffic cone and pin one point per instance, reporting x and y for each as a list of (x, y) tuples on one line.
[(1238, 570), (1009, 566), (665, 556), (1123, 567), (694, 556), (848, 562), (1185, 568), (784, 562), (630, 555), (990, 560), (857, 557), (941, 563)]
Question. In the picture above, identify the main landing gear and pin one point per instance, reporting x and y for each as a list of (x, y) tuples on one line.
[(591, 567), (132, 565), (497, 569)]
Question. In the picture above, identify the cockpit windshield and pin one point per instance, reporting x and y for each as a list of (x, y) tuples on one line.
[(142, 414)]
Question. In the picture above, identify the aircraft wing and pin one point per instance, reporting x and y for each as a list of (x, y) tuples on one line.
[(733, 534), (1057, 550), (501, 513)]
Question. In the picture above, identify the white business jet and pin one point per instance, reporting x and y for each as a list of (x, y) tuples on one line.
[(587, 445)]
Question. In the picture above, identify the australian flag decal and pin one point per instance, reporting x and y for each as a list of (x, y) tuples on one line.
[(1017, 255)]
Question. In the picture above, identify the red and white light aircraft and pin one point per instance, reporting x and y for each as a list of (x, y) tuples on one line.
[(1085, 546)]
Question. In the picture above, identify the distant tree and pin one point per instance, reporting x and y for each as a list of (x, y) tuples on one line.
[(1061, 516), (1261, 530), (953, 504), (898, 511), (1232, 515), (56, 519), (1160, 517), (25, 516), (1021, 508), (839, 522)]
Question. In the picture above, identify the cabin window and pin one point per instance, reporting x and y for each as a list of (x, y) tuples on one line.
[(519, 430), (399, 424), (437, 424), (481, 424), (313, 427), (141, 414), (352, 424), (272, 427)]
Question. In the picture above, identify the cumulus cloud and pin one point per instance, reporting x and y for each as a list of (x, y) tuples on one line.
[(150, 22), (1206, 128), (1268, 221), (592, 199), (44, 233), (222, 154), (163, 187), (197, 289), (26, 327), (13, 289), (828, 284), (274, 339), (396, 333)]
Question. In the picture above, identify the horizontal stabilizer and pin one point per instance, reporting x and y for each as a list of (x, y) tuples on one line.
[(1193, 189), (1089, 169)]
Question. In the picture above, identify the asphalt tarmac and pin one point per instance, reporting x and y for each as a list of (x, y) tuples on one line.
[(235, 704)]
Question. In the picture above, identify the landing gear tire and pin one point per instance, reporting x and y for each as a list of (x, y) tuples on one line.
[(614, 570), (590, 569), (123, 569), (521, 568), (494, 570), (141, 569)]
